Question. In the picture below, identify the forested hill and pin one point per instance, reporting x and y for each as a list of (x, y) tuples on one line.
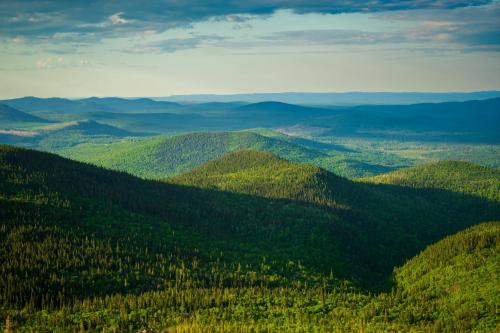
[(387, 215), (455, 176), (71, 231), (264, 174), (163, 156), (454, 283)]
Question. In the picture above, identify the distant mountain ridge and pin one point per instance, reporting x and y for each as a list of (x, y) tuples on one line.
[(10, 114), (63, 105), (131, 105), (341, 98), (92, 104), (474, 120)]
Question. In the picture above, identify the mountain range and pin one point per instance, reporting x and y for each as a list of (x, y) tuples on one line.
[(341, 98), (470, 121)]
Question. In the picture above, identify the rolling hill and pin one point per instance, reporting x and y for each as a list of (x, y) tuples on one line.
[(264, 175), (271, 108), (455, 176), (469, 121), (164, 156), (89, 248), (62, 135), (89, 127), (116, 104), (72, 133), (475, 121), (54, 105), (259, 172), (270, 113), (155, 122), (345, 98), (108, 104), (11, 115)]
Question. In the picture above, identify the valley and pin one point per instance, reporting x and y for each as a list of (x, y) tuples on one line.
[(109, 251)]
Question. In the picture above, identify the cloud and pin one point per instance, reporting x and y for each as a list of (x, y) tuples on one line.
[(176, 44), (118, 19), (463, 29), (96, 19), (61, 62), (469, 29), (332, 37)]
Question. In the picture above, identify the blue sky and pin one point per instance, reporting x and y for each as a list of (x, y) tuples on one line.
[(165, 47)]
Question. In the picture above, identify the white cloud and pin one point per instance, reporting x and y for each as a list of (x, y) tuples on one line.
[(118, 19)]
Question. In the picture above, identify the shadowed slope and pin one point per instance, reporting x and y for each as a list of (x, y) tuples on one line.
[(401, 218), (289, 211), (72, 233), (9, 115)]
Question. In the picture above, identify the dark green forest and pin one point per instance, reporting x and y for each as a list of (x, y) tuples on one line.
[(247, 242)]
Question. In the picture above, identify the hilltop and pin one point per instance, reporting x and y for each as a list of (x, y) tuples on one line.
[(108, 104), (238, 170), (164, 156), (131, 104), (11, 115), (366, 206), (62, 135), (87, 127), (276, 113), (61, 105), (72, 133), (263, 174)]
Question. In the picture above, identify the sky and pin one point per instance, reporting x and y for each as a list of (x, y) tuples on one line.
[(72, 48)]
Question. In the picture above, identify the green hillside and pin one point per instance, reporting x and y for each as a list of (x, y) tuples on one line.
[(454, 284), (68, 134), (85, 248), (408, 221), (164, 156), (61, 135), (263, 174), (455, 176)]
